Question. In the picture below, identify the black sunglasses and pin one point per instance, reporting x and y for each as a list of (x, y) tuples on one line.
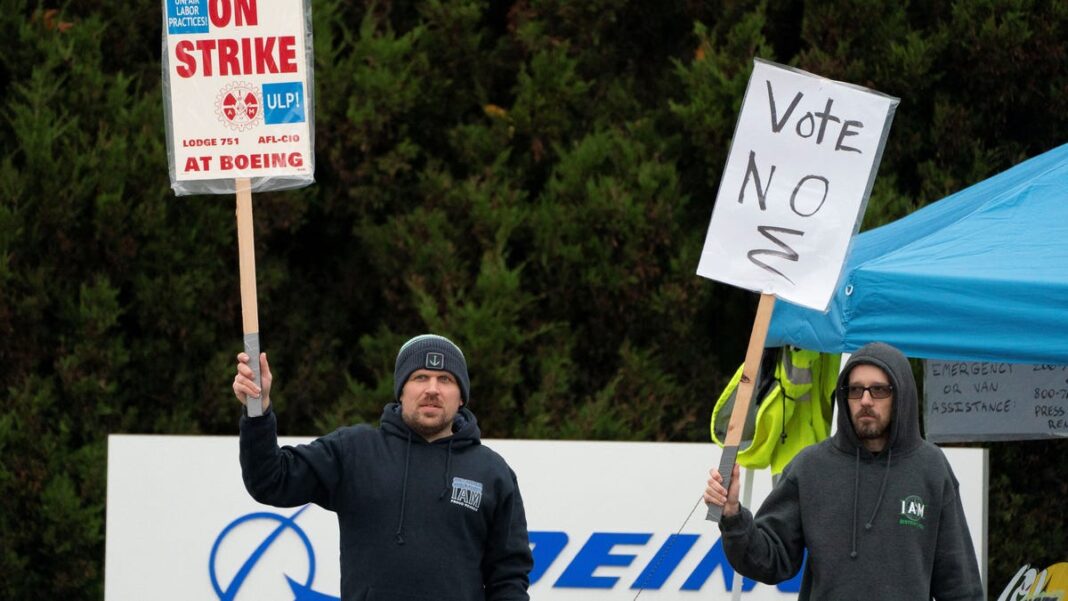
[(877, 391)]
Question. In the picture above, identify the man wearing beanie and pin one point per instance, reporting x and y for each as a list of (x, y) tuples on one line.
[(425, 511)]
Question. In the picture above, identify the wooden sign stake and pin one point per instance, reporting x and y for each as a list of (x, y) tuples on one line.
[(249, 311), (743, 400)]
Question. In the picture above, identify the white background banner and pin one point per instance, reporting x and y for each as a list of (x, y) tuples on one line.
[(797, 178), (180, 525)]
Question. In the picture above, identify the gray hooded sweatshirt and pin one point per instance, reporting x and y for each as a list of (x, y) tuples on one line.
[(883, 526)]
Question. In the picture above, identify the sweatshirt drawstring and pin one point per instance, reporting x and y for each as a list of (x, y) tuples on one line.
[(398, 537), (878, 499), (882, 489), (448, 465), (856, 493)]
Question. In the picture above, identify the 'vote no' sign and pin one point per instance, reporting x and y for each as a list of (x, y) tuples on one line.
[(797, 179)]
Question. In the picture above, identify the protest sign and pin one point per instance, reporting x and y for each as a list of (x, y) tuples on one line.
[(238, 98), (797, 179), (238, 105)]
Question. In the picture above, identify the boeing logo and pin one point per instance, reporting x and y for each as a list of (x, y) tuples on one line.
[(547, 547), (597, 551), (301, 592)]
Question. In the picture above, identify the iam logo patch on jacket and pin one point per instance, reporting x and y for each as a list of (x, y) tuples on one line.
[(912, 512), (467, 493)]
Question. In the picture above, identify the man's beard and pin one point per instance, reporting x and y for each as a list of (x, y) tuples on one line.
[(424, 428), (874, 430)]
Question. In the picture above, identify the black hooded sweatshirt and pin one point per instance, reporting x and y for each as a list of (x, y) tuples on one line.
[(418, 520), (883, 526)]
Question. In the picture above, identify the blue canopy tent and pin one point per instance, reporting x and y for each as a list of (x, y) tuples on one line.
[(981, 275)]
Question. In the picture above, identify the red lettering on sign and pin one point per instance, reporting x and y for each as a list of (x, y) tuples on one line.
[(221, 12), (237, 56), (273, 160), (192, 164), (246, 12), (246, 55), (188, 68), (228, 57), (205, 47), (287, 53), (265, 55)]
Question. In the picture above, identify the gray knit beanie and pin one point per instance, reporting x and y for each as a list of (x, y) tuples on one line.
[(430, 351)]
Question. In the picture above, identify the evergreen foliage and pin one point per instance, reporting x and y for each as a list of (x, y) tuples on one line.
[(532, 178)]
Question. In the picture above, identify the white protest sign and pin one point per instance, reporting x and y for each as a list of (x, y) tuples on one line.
[(797, 179), (238, 96)]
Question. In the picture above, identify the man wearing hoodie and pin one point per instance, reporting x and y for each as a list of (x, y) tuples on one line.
[(425, 511), (876, 506)]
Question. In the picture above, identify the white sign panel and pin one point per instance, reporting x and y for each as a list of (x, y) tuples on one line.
[(604, 520), (797, 179), (237, 87)]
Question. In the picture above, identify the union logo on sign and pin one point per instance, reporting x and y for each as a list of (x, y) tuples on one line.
[(238, 106)]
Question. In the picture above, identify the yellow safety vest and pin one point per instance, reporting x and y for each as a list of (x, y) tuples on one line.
[(792, 407)]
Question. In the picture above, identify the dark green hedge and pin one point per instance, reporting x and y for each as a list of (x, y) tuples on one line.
[(533, 178)]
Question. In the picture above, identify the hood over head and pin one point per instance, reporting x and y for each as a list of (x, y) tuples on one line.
[(904, 420)]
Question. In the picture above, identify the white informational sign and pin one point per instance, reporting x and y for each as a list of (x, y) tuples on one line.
[(604, 517), (237, 79), (797, 179), (974, 401)]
